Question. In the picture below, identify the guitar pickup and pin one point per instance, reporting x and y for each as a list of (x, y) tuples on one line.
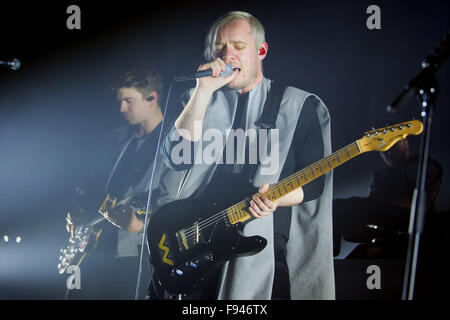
[(189, 237)]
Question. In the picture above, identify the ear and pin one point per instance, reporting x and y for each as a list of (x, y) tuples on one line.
[(152, 96), (262, 52)]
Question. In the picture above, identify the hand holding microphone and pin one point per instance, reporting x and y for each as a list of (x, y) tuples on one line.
[(215, 75), (212, 75)]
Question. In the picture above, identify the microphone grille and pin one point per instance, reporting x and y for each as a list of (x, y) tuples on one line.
[(16, 64), (228, 71)]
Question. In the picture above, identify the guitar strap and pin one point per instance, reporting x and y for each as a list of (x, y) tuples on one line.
[(268, 118), (266, 121), (271, 106)]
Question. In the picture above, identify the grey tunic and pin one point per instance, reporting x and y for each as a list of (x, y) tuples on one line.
[(310, 247)]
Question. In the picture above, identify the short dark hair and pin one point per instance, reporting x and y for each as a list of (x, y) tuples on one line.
[(143, 80)]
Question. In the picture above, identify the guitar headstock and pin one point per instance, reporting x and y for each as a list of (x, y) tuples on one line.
[(384, 138), (85, 241)]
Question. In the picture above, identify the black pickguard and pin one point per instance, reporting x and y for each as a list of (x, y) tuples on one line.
[(188, 239)]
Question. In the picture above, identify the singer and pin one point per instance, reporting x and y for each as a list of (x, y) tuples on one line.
[(297, 262)]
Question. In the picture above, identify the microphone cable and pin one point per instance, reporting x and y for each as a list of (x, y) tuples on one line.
[(149, 198)]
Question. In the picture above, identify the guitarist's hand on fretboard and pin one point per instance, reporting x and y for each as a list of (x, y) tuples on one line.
[(74, 219), (260, 206), (263, 205), (119, 216), (70, 227)]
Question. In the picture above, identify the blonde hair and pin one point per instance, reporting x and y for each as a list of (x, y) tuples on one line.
[(211, 37)]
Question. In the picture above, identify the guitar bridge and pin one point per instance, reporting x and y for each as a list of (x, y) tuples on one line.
[(189, 237)]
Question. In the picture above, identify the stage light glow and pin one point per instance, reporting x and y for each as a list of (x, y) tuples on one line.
[(5, 238), (18, 239)]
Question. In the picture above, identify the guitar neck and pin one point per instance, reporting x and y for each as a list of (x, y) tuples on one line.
[(238, 212), (95, 221), (312, 172)]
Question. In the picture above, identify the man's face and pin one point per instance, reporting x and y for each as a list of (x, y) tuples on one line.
[(236, 45), (134, 108)]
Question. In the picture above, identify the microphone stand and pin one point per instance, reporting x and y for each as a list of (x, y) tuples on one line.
[(149, 198), (204, 73), (426, 88), (427, 95)]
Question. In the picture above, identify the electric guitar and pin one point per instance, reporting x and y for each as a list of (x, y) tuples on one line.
[(189, 238), (86, 237)]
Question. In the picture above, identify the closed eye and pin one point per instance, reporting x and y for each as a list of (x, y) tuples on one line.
[(238, 45)]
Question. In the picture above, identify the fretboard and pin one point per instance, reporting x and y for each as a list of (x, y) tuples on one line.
[(239, 213)]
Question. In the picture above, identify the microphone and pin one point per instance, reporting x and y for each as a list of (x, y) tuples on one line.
[(429, 66), (14, 64), (403, 98), (206, 73)]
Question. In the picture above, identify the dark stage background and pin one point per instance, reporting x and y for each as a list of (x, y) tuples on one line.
[(56, 110)]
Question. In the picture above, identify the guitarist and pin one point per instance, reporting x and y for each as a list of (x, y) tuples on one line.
[(123, 169), (297, 263)]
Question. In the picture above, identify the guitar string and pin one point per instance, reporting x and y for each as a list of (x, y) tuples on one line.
[(288, 181), (191, 231)]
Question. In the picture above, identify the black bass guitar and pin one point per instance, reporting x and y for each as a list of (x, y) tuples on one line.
[(189, 238)]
